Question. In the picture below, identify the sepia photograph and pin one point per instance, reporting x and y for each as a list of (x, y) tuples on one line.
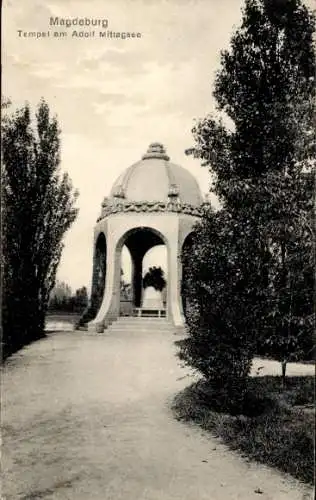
[(158, 249)]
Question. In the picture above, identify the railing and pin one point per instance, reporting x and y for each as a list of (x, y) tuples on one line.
[(139, 312)]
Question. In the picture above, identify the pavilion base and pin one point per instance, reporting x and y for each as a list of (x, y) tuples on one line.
[(147, 323), (96, 327), (100, 326)]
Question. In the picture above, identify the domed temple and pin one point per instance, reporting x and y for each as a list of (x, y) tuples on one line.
[(154, 202)]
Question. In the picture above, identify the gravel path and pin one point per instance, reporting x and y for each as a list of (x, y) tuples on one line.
[(87, 417)]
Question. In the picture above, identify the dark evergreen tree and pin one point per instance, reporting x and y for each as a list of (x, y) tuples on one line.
[(155, 278), (81, 299)]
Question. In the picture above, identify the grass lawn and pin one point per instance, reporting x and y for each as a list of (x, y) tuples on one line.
[(63, 316), (276, 427)]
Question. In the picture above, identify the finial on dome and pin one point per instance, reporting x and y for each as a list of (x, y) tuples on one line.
[(173, 191), (119, 192), (156, 150), (207, 201)]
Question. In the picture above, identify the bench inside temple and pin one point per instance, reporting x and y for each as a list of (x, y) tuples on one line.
[(140, 312)]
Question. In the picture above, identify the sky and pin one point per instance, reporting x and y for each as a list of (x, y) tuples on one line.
[(113, 97)]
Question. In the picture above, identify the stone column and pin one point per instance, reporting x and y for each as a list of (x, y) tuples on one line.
[(95, 279), (110, 305), (98, 280), (174, 265), (137, 279)]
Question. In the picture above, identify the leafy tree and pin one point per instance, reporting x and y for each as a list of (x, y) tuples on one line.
[(287, 320), (81, 298), (59, 297), (63, 300), (125, 288), (266, 87), (60, 291), (155, 278), (38, 208), (261, 171)]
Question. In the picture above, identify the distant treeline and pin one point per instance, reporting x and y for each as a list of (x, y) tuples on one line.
[(63, 300)]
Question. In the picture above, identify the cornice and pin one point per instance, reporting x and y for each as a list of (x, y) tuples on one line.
[(116, 206)]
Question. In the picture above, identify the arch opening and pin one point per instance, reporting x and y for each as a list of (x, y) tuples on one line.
[(144, 246), (126, 302), (186, 251), (155, 261), (98, 280), (99, 273)]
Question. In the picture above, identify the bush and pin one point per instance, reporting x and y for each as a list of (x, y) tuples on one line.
[(219, 290)]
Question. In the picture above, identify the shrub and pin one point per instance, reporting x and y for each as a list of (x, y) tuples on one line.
[(219, 291)]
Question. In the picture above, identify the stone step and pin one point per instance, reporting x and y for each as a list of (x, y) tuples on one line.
[(140, 324), (143, 319), (124, 333), (125, 325)]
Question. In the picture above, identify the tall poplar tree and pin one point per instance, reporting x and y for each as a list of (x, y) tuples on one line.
[(38, 208)]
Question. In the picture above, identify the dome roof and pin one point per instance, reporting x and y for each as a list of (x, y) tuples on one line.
[(155, 178)]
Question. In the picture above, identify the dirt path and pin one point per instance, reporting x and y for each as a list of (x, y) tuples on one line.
[(87, 417)]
